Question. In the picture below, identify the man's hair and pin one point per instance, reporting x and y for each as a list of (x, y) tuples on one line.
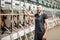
[(4, 18), (39, 6)]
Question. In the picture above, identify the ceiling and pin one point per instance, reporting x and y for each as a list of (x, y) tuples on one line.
[(57, 1), (54, 1)]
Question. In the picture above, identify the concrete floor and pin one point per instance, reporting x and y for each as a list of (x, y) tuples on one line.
[(54, 33)]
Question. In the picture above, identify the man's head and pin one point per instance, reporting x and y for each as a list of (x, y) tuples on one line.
[(39, 8)]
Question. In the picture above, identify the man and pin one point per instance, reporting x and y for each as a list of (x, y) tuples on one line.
[(40, 19), (3, 25)]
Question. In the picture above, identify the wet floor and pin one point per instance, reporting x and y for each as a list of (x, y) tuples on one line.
[(54, 33)]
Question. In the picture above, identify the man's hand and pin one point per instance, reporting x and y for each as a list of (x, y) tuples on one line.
[(28, 13), (44, 37)]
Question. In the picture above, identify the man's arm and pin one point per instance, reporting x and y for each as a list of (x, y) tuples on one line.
[(7, 29), (46, 28), (29, 14)]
